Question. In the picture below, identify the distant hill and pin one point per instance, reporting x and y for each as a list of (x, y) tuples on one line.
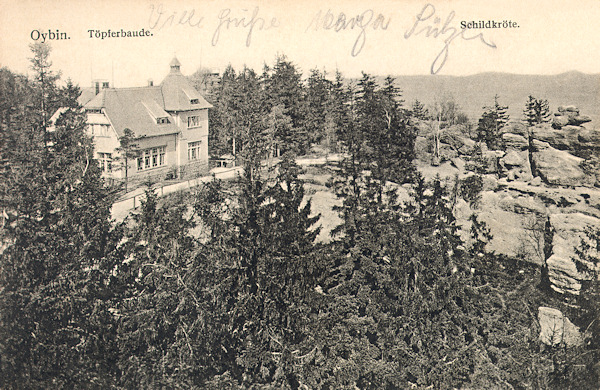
[(474, 92)]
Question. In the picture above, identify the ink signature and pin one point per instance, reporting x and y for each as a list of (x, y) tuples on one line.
[(431, 29)]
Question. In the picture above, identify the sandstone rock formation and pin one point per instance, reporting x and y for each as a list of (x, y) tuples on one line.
[(514, 141), (555, 328), (515, 165), (568, 233), (558, 167), (569, 115), (573, 139)]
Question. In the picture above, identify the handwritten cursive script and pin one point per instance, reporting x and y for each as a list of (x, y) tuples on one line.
[(428, 25), (160, 18), (255, 21), (329, 21), (251, 21)]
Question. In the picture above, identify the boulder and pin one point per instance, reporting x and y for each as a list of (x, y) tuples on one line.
[(563, 139), (559, 121), (522, 205), (451, 138), (514, 141), (536, 181), (570, 108), (490, 182), (555, 328), (467, 148), (569, 115), (579, 120), (515, 165), (558, 167), (586, 136), (516, 128), (569, 230), (447, 152), (455, 139), (459, 163), (491, 160), (512, 159)]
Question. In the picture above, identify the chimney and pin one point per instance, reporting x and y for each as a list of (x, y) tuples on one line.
[(150, 83), (99, 85)]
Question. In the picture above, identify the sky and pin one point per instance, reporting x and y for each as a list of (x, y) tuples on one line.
[(379, 36)]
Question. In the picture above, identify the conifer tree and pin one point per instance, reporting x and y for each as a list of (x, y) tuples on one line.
[(317, 98), (56, 326), (223, 134), (536, 111), (159, 307), (129, 151), (283, 85), (419, 111), (491, 122)]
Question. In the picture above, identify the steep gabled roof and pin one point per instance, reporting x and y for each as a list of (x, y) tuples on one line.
[(87, 94), (134, 109), (139, 108)]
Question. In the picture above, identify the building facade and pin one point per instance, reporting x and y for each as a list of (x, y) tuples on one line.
[(169, 123)]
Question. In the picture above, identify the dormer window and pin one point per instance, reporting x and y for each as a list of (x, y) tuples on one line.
[(194, 101), (162, 121)]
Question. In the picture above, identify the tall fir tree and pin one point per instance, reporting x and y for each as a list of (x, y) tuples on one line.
[(491, 122), (536, 111), (283, 85), (56, 326), (317, 96)]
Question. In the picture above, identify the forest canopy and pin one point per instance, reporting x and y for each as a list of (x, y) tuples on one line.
[(227, 286)]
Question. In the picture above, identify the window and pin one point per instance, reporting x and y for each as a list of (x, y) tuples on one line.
[(162, 120), (94, 111), (194, 150), (99, 130), (151, 158), (105, 161), (194, 101), (194, 121)]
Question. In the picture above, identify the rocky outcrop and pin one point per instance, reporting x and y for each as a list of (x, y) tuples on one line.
[(558, 167), (507, 214), (555, 328), (515, 165), (514, 141), (569, 115), (569, 230), (573, 139), (518, 128), (512, 209)]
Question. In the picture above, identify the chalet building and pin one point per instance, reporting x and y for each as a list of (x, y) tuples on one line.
[(169, 122)]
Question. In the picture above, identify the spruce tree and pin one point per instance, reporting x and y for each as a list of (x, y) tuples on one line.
[(56, 327), (283, 85), (536, 111), (491, 122)]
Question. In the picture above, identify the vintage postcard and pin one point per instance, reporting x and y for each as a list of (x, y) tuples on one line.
[(280, 194)]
